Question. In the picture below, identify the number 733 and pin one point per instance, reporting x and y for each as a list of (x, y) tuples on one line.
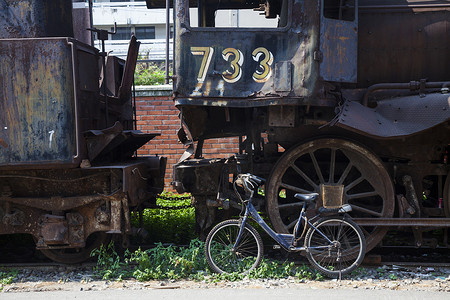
[(261, 55)]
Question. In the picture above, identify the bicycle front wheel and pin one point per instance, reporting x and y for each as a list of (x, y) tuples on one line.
[(224, 257), (335, 246)]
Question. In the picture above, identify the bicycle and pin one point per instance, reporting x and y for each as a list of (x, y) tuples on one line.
[(334, 245)]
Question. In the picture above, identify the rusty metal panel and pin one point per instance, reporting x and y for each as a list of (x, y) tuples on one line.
[(396, 117), (339, 42), (35, 18), (225, 63), (403, 40), (283, 76), (282, 116), (36, 102)]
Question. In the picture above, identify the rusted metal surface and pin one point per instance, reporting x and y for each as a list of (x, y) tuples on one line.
[(402, 40), (35, 18), (242, 64), (128, 72), (36, 102), (338, 41), (67, 171), (64, 212), (396, 117), (404, 222)]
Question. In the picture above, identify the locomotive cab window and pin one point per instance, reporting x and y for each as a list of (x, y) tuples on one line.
[(339, 9), (239, 13)]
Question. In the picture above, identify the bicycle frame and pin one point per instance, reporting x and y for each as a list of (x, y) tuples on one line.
[(284, 240)]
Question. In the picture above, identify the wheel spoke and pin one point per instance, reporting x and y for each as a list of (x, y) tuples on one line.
[(332, 165), (367, 211), (345, 173), (362, 195), (316, 167), (293, 188), (345, 252), (222, 257), (353, 184), (304, 176)]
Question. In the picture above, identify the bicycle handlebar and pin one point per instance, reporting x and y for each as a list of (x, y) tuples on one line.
[(249, 181)]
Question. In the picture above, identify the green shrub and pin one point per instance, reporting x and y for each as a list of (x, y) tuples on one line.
[(168, 226), (149, 74)]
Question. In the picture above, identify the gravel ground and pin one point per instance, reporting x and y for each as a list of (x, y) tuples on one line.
[(386, 277)]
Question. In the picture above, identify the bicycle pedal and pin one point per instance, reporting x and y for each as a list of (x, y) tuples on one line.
[(276, 247)]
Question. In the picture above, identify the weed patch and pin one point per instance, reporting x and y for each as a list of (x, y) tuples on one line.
[(175, 262), (7, 278)]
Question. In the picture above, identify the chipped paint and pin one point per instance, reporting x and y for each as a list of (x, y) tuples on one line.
[(51, 132), (36, 72)]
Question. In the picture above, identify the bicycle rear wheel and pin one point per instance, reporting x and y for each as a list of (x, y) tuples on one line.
[(335, 246), (221, 255)]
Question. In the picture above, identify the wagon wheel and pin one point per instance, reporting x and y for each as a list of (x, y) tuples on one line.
[(330, 163), (78, 255)]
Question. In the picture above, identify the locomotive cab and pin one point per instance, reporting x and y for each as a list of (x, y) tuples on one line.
[(284, 49)]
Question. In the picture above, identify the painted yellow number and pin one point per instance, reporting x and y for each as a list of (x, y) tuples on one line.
[(207, 53), (261, 55), (236, 63), (264, 69)]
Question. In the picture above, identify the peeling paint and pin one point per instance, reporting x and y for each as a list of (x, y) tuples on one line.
[(51, 132)]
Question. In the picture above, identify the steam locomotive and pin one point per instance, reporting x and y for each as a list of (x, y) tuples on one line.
[(346, 98), (68, 173)]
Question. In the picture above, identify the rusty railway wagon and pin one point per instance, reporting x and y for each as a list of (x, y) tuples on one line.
[(68, 174), (346, 98)]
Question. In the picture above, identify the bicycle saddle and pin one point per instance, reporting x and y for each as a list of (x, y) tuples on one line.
[(306, 197)]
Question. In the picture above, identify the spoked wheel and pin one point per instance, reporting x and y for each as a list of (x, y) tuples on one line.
[(335, 246), (359, 176), (221, 255), (78, 255)]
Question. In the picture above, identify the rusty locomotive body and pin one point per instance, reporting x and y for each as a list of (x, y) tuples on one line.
[(68, 175), (345, 98)]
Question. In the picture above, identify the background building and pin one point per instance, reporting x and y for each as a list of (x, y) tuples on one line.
[(149, 25)]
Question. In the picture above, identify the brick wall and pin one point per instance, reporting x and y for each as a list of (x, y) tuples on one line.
[(156, 112)]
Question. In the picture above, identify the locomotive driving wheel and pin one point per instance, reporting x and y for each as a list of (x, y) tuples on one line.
[(78, 255), (352, 173)]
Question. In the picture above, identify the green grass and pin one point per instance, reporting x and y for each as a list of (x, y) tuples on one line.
[(188, 262), (7, 278)]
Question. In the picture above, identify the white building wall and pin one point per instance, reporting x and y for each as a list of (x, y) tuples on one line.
[(136, 14)]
